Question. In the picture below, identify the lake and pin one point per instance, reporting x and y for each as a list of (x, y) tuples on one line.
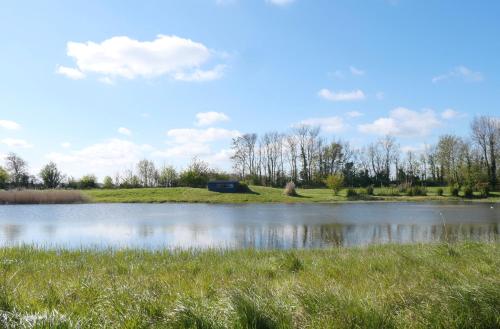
[(282, 226)]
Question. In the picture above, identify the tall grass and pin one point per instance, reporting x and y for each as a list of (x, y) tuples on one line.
[(41, 197), (391, 286)]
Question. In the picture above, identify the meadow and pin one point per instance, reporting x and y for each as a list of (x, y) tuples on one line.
[(260, 194), (387, 286)]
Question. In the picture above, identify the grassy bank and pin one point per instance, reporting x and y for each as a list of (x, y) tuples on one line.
[(412, 286), (262, 194)]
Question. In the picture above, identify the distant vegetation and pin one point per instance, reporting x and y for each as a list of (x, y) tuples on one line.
[(392, 286), (464, 166), (263, 194)]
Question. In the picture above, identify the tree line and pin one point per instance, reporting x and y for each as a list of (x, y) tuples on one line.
[(15, 174), (307, 159)]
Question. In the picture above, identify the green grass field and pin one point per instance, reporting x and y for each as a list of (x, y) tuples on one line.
[(260, 194), (392, 286)]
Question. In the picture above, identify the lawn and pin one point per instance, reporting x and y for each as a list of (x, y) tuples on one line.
[(391, 286), (261, 194)]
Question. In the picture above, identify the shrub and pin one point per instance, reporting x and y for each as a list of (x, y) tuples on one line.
[(4, 178), (290, 189), (88, 181), (484, 189), (468, 192), (454, 190), (403, 188), (417, 191), (369, 190), (335, 182), (243, 188), (440, 191), (108, 182), (196, 175), (351, 193)]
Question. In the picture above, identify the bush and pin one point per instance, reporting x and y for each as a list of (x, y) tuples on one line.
[(335, 182), (196, 175), (469, 192), (351, 193), (88, 181), (243, 188), (290, 189), (369, 190), (417, 191), (440, 191), (108, 183), (454, 190), (484, 189)]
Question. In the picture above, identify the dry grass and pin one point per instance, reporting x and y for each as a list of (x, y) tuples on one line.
[(41, 197)]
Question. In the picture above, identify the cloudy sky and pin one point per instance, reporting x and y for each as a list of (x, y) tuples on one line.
[(97, 85)]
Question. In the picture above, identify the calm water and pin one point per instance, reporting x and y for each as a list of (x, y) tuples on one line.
[(241, 226)]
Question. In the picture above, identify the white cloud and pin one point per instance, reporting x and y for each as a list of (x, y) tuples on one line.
[(354, 114), (66, 145), (280, 2), (201, 75), (403, 122), (102, 158), (10, 125), (356, 71), (70, 72), (209, 118), (121, 56), (341, 96), (185, 150), (16, 143), (329, 124), (460, 72), (124, 131), (415, 149), (190, 135), (451, 114), (187, 143)]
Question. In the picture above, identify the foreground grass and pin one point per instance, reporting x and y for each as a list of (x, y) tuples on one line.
[(260, 194), (410, 286)]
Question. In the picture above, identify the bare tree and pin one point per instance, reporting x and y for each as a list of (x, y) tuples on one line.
[(17, 169), (147, 173), (486, 133)]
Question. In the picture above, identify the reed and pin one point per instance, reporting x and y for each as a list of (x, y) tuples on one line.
[(41, 197)]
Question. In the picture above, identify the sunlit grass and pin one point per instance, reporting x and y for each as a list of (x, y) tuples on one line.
[(263, 194), (411, 286)]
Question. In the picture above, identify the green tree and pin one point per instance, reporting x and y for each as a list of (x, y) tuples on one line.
[(51, 176), (335, 182), (196, 175), (108, 182), (4, 178), (88, 181), (168, 177)]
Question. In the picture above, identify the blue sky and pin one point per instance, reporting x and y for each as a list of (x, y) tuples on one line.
[(180, 78)]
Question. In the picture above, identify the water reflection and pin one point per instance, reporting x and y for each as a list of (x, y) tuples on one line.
[(245, 226)]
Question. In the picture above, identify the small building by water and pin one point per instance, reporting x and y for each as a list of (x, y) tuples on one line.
[(224, 186)]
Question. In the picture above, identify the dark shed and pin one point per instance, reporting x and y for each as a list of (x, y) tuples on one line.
[(225, 186)]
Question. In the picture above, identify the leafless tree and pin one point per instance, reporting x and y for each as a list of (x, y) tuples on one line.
[(486, 134)]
